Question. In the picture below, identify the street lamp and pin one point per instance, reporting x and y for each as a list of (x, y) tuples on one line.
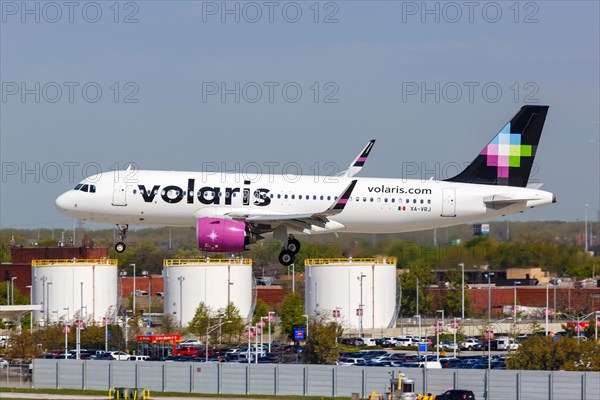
[(146, 273), (133, 265), (181, 278), (208, 331), (306, 336), (462, 286), (489, 338), (66, 329), (270, 315), (127, 330), (437, 334), (546, 310), (30, 287), (586, 228), (360, 306), (12, 290)]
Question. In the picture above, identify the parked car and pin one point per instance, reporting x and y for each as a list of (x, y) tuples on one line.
[(138, 358), (504, 343), (119, 355), (468, 344), (3, 363), (456, 395)]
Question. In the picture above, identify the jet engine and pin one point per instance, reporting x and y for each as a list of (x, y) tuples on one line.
[(223, 235)]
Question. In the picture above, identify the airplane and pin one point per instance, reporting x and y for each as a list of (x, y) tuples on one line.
[(230, 213)]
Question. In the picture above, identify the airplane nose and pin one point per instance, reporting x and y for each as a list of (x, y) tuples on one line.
[(63, 202)]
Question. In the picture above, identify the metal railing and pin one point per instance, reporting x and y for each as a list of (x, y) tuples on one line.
[(71, 261), (309, 262), (206, 261)]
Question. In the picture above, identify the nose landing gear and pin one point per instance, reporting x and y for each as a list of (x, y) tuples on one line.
[(288, 254), (121, 246)]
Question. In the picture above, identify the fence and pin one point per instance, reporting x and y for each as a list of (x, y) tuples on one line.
[(308, 380)]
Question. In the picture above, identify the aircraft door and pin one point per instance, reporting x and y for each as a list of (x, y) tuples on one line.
[(119, 193), (448, 202)]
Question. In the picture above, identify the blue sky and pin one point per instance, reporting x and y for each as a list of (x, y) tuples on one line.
[(161, 67)]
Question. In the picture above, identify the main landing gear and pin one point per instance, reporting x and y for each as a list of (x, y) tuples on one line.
[(288, 254), (120, 246)]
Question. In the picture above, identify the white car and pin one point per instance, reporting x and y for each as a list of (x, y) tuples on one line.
[(119, 355), (3, 363), (191, 342)]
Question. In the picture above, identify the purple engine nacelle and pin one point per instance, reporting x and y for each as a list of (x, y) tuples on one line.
[(222, 235)]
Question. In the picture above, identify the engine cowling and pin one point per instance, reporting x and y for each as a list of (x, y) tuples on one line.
[(223, 235)]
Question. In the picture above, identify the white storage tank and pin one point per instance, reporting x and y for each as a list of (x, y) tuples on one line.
[(86, 289), (214, 282), (336, 286)]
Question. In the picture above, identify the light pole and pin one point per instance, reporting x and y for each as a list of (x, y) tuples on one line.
[(134, 293), (489, 338), (515, 304), (360, 306), (306, 316), (293, 278), (66, 329), (212, 329), (12, 290), (43, 302), (586, 228), (547, 311), (48, 300), (30, 287), (419, 318), (462, 286), (127, 330), (149, 297), (181, 278), (438, 327), (270, 315), (597, 316)]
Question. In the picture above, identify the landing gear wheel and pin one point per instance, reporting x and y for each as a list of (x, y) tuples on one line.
[(120, 247), (286, 257), (293, 245)]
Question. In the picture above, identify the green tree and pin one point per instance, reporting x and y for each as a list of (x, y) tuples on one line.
[(409, 290), (321, 344), (235, 325), (261, 310), (566, 353), (292, 314), (201, 321)]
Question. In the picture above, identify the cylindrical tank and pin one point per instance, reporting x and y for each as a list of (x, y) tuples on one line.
[(74, 289), (214, 282), (353, 292)]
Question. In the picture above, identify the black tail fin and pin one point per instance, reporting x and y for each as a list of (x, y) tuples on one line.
[(508, 158)]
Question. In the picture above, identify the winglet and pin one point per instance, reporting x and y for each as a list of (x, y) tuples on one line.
[(340, 203), (359, 161)]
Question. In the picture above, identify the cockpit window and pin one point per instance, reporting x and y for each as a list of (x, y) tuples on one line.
[(92, 188), (84, 188), (78, 186)]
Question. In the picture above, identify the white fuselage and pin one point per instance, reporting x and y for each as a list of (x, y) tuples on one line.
[(377, 205)]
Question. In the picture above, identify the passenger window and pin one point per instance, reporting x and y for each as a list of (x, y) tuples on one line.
[(385, 200), (422, 201), (393, 200), (84, 188), (365, 199), (379, 199), (429, 201), (321, 197), (414, 201), (293, 197), (314, 197), (285, 196), (299, 197), (278, 196), (371, 199)]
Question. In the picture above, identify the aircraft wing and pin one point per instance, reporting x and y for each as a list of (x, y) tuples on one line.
[(302, 222), (359, 161)]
